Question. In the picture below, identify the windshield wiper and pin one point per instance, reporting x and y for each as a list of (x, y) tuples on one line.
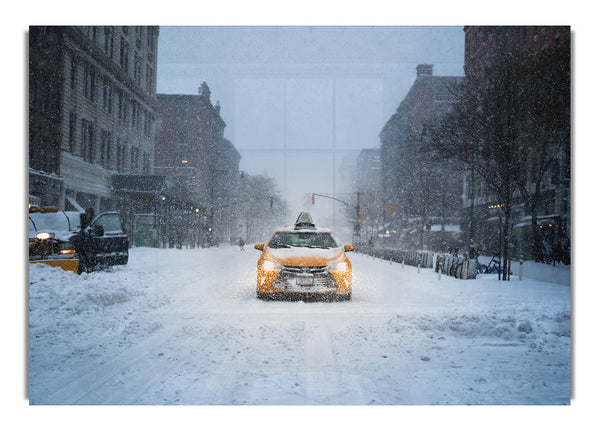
[(279, 246)]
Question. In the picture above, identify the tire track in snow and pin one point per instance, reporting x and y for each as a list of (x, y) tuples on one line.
[(326, 384)]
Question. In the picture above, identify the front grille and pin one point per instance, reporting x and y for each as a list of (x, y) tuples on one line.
[(322, 279), (305, 269)]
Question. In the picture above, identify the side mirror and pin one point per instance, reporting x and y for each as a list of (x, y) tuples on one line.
[(98, 230), (349, 247), (260, 246)]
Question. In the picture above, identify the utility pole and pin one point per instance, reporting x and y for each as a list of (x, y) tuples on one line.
[(356, 234)]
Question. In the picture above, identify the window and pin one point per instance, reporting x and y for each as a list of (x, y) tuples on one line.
[(149, 79), (72, 130), (125, 108), (105, 143), (124, 54), (138, 36), (147, 123), (32, 87), (303, 239), (87, 141), (109, 41), (89, 81), (137, 70), (121, 145), (107, 96), (74, 68), (134, 159), (122, 109), (146, 164), (134, 113), (150, 40), (110, 222)]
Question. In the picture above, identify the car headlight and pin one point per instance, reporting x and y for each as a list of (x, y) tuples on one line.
[(267, 265), (66, 248), (338, 266), (44, 235)]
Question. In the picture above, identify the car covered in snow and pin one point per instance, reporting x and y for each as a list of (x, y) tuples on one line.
[(304, 262), (52, 237), (56, 239)]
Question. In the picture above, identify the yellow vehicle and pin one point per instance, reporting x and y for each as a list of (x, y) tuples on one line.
[(304, 262), (52, 236)]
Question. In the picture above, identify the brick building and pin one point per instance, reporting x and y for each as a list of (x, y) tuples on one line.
[(92, 96), (192, 153), (420, 193)]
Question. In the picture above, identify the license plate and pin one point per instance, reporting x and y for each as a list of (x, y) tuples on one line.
[(304, 281)]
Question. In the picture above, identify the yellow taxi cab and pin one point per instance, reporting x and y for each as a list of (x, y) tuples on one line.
[(304, 262)]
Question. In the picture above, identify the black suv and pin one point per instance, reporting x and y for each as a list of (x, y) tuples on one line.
[(103, 243), (56, 238)]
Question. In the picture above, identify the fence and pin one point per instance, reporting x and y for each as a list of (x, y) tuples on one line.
[(448, 264)]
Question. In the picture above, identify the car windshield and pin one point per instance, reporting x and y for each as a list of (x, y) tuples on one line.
[(54, 222), (303, 239)]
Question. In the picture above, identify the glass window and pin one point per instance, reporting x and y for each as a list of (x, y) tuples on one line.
[(124, 54), (108, 41), (303, 239), (110, 222)]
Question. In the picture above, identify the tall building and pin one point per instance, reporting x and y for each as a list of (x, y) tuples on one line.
[(417, 191), (92, 97), (192, 153)]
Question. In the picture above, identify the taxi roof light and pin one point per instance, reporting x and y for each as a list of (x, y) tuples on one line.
[(304, 221)]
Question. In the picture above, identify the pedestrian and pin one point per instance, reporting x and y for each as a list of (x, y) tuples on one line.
[(241, 244), (85, 246)]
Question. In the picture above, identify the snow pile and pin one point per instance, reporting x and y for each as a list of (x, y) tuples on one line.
[(66, 293), (72, 314)]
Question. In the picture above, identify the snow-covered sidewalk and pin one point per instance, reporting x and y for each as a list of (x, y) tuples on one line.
[(184, 327)]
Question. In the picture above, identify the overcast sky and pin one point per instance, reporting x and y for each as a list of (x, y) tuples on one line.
[(301, 102)]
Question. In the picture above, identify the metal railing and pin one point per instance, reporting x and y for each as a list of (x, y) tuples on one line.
[(444, 263)]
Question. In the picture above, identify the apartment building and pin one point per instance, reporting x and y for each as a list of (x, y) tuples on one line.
[(92, 109)]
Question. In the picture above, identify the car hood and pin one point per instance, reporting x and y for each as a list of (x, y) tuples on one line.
[(302, 256)]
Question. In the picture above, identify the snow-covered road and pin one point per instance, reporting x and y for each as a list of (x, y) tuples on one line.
[(184, 327)]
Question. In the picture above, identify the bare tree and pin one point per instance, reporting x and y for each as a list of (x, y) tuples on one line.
[(546, 128), (510, 130)]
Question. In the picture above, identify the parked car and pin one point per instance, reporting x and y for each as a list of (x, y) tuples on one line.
[(104, 242), (52, 236), (57, 239), (304, 262)]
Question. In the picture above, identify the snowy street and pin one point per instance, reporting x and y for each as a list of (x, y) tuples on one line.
[(185, 327)]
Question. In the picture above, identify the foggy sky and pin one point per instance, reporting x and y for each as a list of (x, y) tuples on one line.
[(280, 89)]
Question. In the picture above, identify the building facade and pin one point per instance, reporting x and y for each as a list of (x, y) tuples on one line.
[(543, 202), (368, 186), (92, 108), (193, 154), (418, 191)]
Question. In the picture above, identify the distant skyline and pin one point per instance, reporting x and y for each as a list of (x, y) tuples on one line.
[(280, 89)]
